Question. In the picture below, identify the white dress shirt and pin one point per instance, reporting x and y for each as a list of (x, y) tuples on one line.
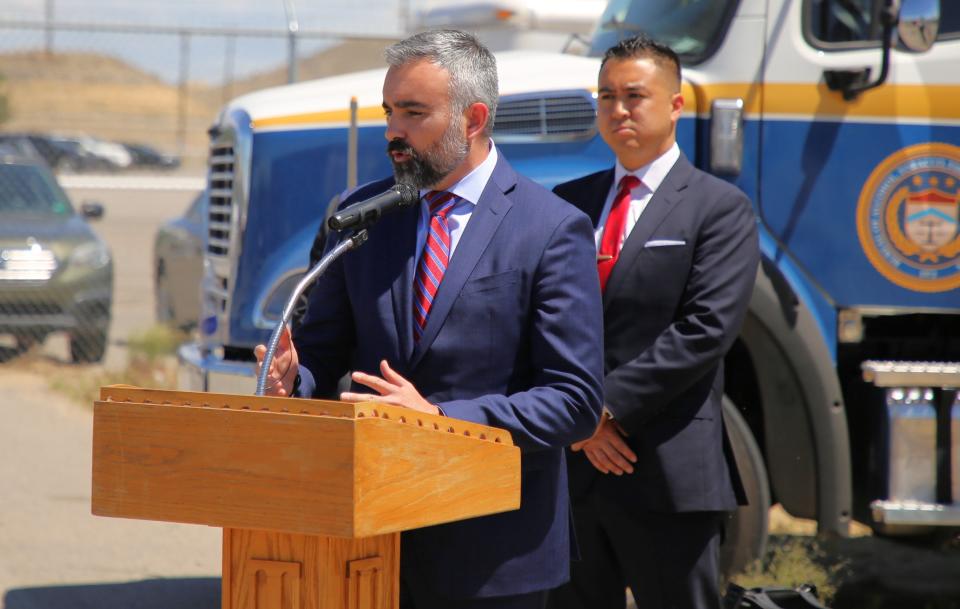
[(651, 176)]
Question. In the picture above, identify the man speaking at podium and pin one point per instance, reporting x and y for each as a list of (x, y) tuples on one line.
[(481, 303)]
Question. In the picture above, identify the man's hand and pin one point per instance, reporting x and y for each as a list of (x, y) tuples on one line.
[(606, 448), (284, 367), (392, 389)]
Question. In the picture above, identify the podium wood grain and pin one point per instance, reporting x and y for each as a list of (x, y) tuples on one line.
[(264, 570), (311, 494)]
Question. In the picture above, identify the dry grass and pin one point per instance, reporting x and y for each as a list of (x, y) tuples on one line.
[(796, 556), (791, 561), (86, 93), (151, 364)]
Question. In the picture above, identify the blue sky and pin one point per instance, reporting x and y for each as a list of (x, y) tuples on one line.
[(158, 54), (370, 15)]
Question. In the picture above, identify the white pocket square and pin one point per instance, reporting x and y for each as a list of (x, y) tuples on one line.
[(664, 242)]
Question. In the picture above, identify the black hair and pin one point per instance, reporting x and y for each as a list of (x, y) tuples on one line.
[(642, 46)]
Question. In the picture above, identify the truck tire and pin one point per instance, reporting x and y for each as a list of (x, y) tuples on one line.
[(745, 538)]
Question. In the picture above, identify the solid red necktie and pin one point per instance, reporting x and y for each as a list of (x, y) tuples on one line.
[(434, 260), (612, 237)]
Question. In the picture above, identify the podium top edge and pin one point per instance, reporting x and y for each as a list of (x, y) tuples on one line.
[(128, 394)]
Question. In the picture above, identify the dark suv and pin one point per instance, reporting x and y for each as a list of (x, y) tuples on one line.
[(56, 274)]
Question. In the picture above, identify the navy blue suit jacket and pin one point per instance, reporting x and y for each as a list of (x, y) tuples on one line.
[(673, 306), (513, 340)]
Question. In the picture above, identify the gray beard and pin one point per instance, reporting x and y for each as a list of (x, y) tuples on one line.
[(425, 169)]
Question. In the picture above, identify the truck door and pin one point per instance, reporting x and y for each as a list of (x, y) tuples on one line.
[(862, 193)]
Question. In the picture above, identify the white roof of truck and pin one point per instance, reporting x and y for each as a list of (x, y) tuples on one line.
[(326, 99)]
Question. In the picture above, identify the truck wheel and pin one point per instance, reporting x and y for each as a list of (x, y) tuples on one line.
[(746, 531), (88, 347)]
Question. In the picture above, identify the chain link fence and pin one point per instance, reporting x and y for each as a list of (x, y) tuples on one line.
[(116, 102), (153, 89)]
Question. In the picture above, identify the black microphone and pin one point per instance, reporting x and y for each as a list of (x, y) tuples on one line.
[(367, 212)]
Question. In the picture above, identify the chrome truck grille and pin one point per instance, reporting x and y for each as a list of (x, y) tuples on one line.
[(220, 222), (221, 199), (559, 115)]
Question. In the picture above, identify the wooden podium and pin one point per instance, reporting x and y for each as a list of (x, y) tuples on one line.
[(311, 495)]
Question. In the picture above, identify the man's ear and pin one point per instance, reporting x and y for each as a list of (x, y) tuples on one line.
[(477, 116), (676, 103)]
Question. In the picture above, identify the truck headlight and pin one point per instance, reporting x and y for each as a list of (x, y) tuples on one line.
[(93, 255)]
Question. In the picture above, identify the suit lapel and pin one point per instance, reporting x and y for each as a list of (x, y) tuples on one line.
[(486, 218), (595, 195), (401, 258), (663, 202)]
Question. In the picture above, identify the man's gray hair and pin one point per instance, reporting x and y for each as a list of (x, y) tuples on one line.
[(472, 67)]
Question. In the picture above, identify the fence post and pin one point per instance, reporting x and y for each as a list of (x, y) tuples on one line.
[(229, 55), (48, 27), (293, 26), (182, 92)]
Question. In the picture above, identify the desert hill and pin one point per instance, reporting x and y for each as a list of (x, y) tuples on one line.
[(87, 93)]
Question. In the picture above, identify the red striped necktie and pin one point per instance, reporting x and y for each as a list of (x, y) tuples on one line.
[(433, 262), (612, 237)]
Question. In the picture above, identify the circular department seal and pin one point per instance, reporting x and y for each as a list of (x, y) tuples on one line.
[(907, 217)]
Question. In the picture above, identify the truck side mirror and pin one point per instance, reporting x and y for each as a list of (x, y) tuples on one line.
[(918, 25), (854, 82)]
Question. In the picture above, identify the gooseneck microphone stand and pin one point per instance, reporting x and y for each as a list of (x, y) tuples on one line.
[(352, 242)]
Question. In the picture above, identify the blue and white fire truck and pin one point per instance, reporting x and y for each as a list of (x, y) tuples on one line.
[(839, 118)]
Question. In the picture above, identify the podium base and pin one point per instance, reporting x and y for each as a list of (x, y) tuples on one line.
[(269, 570)]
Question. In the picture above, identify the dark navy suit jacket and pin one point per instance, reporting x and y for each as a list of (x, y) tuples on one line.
[(673, 306), (513, 340)]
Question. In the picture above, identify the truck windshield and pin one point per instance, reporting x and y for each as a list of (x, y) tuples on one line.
[(692, 28)]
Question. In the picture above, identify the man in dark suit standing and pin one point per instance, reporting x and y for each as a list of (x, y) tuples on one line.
[(482, 304), (677, 257)]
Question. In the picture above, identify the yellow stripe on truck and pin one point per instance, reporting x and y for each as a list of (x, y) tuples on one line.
[(369, 113)]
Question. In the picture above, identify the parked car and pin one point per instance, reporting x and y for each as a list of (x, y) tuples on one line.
[(150, 158), (178, 265), (73, 157), (115, 154), (56, 274), (30, 146)]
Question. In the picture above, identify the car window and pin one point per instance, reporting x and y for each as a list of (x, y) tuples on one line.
[(31, 189)]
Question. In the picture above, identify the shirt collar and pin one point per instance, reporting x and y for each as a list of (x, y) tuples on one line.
[(653, 173), (471, 186)]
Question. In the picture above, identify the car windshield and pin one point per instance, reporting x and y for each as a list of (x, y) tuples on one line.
[(31, 189), (692, 28)]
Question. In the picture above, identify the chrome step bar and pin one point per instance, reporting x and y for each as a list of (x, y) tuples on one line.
[(915, 395), (945, 375), (915, 513)]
